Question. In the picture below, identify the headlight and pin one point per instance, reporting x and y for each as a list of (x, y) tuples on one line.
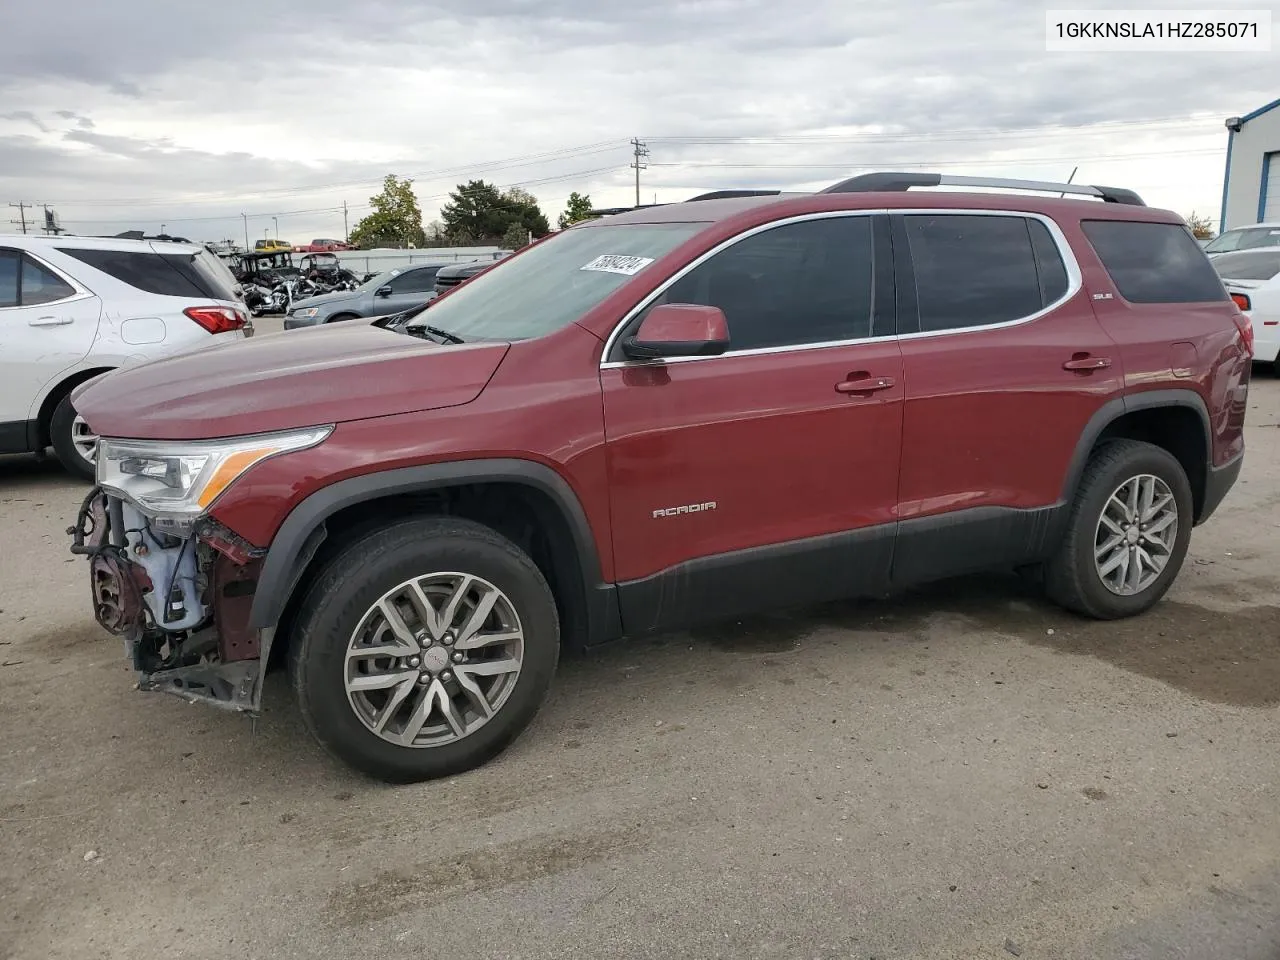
[(307, 313), (180, 481)]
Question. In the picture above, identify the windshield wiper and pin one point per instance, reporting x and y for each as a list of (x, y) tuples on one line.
[(444, 335)]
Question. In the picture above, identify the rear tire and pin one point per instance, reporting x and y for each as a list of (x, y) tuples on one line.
[(69, 438), (456, 686), (1088, 574)]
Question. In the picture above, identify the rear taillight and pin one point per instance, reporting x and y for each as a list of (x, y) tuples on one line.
[(1241, 301), (217, 319)]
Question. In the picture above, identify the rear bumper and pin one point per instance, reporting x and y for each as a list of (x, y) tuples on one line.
[(1217, 482)]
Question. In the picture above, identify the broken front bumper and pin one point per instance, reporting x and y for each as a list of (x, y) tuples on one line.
[(181, 604)]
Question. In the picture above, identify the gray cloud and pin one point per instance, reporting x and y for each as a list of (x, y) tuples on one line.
[(205, 110)]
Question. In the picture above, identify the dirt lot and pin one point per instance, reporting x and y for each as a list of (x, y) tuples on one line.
[(963, 772)]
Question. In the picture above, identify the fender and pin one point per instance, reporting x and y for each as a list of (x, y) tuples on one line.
[(300, 535), (1117, 407)]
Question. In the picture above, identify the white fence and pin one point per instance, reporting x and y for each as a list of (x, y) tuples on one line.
[(376, 261)]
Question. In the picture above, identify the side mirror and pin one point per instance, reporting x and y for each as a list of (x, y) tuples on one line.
[(384, 291), (679, 330)]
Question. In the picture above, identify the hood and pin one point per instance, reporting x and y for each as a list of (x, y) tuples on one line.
[(282, 381), (323, 299)]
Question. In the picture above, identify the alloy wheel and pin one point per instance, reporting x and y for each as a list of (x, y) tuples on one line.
[(434, 659), (84, 440), (1135, 536)]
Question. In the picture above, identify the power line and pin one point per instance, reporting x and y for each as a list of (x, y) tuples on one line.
[(942, 136), (564, 153), (577, 174), (887, 164)]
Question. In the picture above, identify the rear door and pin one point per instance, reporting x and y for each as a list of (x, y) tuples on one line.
[(1005, 363), (759, 478), (47, 325)]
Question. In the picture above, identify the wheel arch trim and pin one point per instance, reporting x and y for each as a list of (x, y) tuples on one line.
[(1116, 408), (295, 543)]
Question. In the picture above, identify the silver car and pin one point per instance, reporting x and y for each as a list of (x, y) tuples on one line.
[(389, 292)]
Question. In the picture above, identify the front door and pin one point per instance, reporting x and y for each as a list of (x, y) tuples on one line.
[(408, 289), (1005, 364), (767, 475), (47, 326)]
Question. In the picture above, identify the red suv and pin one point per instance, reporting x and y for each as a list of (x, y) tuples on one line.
[(679, 413)]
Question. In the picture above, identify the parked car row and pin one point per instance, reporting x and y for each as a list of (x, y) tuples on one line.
[(685, 412)]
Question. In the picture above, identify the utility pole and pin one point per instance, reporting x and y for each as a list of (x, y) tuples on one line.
[(640, 154), (22, 215), (245, 217), (275, 225), (346, 234)]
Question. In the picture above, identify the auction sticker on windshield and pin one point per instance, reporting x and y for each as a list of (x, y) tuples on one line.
[(616, 263)]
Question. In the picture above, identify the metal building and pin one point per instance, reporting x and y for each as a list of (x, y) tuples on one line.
[(1251, 184)]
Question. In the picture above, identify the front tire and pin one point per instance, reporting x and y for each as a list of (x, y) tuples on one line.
[(424, 649), (1128, 534), (74, 444)]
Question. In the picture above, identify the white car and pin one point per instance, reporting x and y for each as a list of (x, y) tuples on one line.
[(72, 308), (1252, 277), (1253, 237)]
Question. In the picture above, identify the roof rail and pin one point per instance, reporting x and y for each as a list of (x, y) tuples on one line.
[(729, 194), (610, 211), (897, 182)]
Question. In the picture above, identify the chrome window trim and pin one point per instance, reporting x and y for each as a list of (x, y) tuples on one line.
[(1075, 281), (81, 291)]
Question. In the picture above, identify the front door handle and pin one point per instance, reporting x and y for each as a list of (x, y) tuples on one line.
[(49, 321), (863, 383), (1082, 361)]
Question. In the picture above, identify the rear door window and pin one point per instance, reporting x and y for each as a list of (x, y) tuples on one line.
[(1154, 262), (973, 270)]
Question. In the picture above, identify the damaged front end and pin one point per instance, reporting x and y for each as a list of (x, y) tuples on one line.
[(181, 601)]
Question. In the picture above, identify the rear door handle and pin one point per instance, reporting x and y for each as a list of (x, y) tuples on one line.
[(865, 384), (49, 321), (1086, 362)]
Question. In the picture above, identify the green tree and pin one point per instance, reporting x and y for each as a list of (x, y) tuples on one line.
[(576, 210), (515, 237), (481, 213), (1201, 227), (396, 220)]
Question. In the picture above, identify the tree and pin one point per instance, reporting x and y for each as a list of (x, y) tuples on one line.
[(482, 213), (396, 220), (1201, 227), (515, 237), (576, 210)]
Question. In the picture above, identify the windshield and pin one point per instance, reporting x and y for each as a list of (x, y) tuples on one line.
[(1248, 265), (554, 283), (1245, 239)]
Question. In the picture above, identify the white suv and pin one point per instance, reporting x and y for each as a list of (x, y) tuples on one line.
[(72, 308)]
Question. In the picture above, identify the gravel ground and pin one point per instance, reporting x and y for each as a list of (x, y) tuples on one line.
[(961, 772)]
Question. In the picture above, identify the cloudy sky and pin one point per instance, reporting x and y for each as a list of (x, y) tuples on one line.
[(141, 113)]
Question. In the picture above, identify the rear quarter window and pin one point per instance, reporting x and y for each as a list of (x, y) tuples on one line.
[(1154, 262)]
